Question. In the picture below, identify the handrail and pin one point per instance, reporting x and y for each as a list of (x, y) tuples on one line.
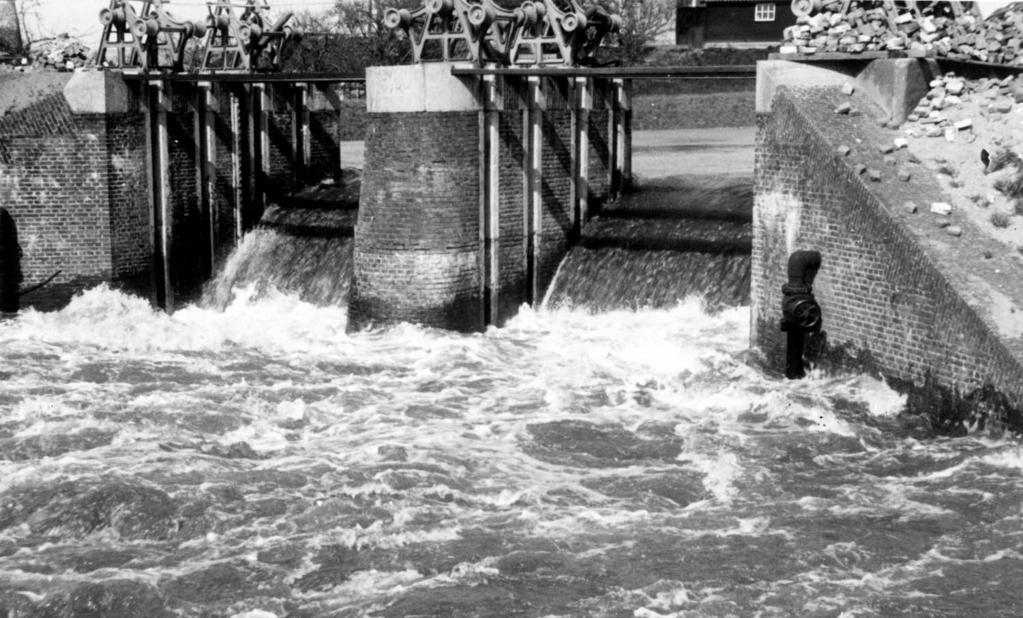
[(246, 78), (707, 71)]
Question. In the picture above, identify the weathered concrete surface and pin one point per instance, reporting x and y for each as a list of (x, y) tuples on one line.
[(98, 92), (427, 87), (895, 85)]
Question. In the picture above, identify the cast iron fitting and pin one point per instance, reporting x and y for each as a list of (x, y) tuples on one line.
[(799, 309), (800, 313)]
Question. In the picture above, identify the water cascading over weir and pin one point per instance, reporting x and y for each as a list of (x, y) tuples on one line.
[(146, 173), (483, 159)]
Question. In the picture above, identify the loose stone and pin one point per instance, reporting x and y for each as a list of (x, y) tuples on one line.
[(941, 208), (843, 150), (954, 230), (910, 207)]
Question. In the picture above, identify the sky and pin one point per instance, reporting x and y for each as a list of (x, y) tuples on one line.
[(80, 18)]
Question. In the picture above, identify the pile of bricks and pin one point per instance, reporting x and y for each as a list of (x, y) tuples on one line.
[(60, 53), (1004, 34), (941, 113), (870, 25)]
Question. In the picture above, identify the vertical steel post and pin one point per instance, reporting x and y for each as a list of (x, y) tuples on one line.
[(260, 151), (582, 104), (236, 141), (300, 138), (490, 204), (158, 102), (534, 201), (623, 139), (613, 180), (204, 109)]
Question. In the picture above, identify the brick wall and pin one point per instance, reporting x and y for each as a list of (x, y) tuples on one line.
[(558, 220), (324, 153), (513, 289), (418, 242), (417, 237), (281, 142), (599, 156), (77, 184), (74, 188), (228, 142), (131, 237), (186, 236), (898, 294)]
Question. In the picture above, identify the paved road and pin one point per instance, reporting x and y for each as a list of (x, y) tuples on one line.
[(724, 151)]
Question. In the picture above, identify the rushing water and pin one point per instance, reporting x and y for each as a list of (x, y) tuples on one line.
[(677, 236), (258, 461)]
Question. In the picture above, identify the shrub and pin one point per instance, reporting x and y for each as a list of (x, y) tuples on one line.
[(999, 219)]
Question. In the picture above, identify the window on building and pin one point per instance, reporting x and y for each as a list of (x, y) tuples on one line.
[(764, 11)]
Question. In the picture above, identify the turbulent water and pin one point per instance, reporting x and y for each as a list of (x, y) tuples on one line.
[(302, 246), (258, 461), (677, 236)]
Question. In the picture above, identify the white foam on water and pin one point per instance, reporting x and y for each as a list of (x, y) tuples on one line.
[(433, 430), (720, 475), (1007, 457), (371, 583), (255, 613), (881, 399)]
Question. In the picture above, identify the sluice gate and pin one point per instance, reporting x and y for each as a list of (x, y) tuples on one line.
[(220, 149), (483, 159)]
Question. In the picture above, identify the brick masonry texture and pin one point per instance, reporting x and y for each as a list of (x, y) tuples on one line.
[(421, 200), (324, 155), (895, 289), (417, 237), (598, 130), (512, 254), (226, 178), (76, 188), (185, 215), (558, 220), (78, 184)]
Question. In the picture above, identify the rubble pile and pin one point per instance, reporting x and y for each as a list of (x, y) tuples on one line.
[(947, 110), (1005, 34), (939, 28), (60, 53)]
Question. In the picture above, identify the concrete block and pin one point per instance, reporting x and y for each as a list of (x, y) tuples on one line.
[(428, 87), (773, 74), (98, 92), (897, 85)]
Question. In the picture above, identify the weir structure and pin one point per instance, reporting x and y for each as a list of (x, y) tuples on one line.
[(476, 182), (486, 157), (481, 162), (149, 180)]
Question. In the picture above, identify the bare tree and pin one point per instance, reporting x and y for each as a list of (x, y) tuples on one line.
[(29, 17), (642, 22)]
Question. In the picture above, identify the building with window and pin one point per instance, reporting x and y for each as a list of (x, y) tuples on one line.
[(736, 23)]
